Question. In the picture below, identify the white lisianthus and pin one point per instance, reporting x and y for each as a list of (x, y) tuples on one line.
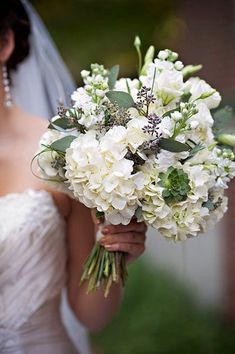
[(198, 87), (168, 86), (202, 122)]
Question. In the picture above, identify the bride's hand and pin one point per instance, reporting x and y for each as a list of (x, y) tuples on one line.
[(126, 238)]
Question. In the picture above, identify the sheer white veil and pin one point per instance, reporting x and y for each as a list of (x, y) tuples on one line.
[(40, 83)]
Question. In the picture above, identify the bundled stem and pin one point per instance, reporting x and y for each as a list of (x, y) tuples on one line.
[(103, 268)]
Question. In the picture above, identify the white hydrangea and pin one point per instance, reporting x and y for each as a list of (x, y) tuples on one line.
[(101, 177)]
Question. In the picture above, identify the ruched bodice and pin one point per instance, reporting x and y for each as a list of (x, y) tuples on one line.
[(32, 274)]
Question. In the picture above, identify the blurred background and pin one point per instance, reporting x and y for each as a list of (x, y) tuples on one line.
[(180, 298)]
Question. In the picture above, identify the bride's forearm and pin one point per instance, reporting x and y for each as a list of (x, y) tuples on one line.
[(94, 310)]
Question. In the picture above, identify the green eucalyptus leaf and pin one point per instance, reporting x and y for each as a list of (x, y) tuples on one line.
[(63, 143), (113, 75), (173, 145), (123, 99), (209, 205), (63, 123), (222, 117)]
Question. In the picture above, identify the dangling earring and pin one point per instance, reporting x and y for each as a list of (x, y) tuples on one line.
[(6, 87)]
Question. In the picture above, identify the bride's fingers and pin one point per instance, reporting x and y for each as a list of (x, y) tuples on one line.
[(133, 250), (128, 237), (116, 229)]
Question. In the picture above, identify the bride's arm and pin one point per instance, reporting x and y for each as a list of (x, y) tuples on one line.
[(93, 310)]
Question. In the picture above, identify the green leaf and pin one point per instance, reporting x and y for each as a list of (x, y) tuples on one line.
[(173, 145), (222, 117), (198, 147), (63, 123), (99, 214), (113, 75), (123, 99), (63, 143), (168, 113), (209, 205)]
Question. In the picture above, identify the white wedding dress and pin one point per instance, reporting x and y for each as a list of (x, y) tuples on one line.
[(32, 275)]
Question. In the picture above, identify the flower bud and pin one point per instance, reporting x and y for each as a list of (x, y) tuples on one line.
[(189, 70), (137, 42), (100, 93), (227, 139), (163, 54), (179, 65), (85, 73), (148, 59)]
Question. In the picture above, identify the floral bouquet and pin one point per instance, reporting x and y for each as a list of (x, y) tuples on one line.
[(148, 148)]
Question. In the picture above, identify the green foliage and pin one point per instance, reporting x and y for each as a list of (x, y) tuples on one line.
[(159, 316), (194, 150), (176, 185), (113, 75), (222, 117), (173, 145), (63, 123), (122, 99), (62, 144), (99, 214)]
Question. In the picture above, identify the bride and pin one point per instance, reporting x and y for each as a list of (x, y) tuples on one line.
[(45, 236)]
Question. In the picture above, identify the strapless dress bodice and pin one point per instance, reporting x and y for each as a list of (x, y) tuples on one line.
[(32, 274)]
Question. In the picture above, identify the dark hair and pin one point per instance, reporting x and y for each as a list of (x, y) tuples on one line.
[(14, 17)]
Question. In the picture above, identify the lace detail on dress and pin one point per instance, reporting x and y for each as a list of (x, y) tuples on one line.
[(32, 255)]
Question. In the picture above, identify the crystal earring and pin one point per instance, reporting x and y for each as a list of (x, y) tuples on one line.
[(6, 87)]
